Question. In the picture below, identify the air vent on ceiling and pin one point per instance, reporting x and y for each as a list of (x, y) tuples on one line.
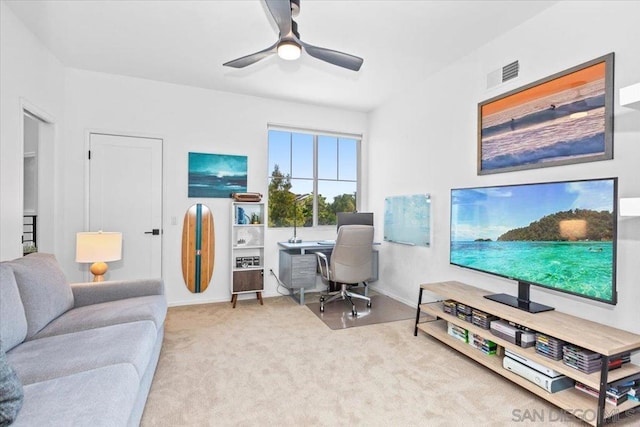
[(510, 71)]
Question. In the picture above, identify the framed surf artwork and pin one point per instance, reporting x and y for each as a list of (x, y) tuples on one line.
[(216, 175), (563, 119)]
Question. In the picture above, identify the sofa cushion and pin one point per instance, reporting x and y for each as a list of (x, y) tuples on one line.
[(13, 323), (90, 293), (11, 393), (152, 308), (62, 355), (101, 397), (44, 290)]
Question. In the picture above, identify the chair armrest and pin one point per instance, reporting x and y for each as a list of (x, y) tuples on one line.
[(95, 293), (323, 262)]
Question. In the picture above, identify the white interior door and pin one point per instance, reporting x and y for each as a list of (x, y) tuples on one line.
[(125, 195)]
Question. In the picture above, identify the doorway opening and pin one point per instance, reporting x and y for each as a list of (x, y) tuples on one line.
[(37, 183)]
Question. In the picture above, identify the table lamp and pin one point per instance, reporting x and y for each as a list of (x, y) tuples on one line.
[(98, 247), (630, 206), (297, 199)]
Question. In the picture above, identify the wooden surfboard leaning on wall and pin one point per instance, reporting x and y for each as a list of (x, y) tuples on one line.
[(198, 248)]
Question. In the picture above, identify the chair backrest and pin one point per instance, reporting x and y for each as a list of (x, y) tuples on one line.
[(351, 256)]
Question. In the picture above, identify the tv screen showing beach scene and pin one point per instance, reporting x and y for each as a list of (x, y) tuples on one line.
[(559, 235)]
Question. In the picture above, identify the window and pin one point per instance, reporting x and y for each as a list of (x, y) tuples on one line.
[(323, 166)]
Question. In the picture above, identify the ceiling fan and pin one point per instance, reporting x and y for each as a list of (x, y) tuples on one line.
[(289, 45)]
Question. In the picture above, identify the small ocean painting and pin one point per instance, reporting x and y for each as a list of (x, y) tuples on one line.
[(216, 175), (560, 121)]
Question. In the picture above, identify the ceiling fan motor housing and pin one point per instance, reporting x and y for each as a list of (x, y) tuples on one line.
[(289, 45)]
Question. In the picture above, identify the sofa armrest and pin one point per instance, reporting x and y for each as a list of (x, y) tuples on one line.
[(95, 293)]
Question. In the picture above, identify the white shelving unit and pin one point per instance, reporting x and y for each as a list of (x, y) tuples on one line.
[(247, 249)]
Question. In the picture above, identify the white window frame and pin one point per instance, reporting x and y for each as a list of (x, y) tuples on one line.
[(316, 133)]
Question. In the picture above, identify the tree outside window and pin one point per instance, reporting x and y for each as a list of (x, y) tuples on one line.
[(323, 166)]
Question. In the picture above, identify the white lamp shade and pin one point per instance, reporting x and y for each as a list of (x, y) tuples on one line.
[(98, 246), (630, 206)]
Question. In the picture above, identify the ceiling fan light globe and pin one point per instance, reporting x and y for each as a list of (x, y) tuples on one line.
[(289, 50)]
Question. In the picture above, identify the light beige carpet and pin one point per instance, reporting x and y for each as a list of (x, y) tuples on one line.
[(279, 365), (337, 314)]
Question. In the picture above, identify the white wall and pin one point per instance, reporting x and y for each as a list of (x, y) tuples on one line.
[(187, 119), (436, 124), (30, 76)]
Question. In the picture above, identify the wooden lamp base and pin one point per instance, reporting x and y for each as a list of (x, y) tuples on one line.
[(99, 269)]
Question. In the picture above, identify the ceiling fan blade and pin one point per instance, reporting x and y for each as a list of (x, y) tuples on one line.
[(281, 12), (253, 58), (334, 57)]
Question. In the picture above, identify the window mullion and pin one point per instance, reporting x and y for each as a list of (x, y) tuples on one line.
[(291, 154), (337, 159), (315, 179), (358, 177)]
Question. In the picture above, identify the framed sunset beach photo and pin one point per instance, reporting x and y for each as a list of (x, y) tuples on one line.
[(566, 118)]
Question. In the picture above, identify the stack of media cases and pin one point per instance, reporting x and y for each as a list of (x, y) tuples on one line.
[(464, 312), (618, 361), (583, 360), (468, 313), (618, 391), (482, 319), (549, 346), (450, 307), (614, 397), (474, 316), (458, 332), (483, 344), (588, 362), (632, 385)]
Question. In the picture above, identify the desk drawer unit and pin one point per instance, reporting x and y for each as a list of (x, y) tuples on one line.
[(298, 270)]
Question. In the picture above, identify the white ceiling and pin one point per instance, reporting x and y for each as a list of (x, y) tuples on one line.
[(186, 42)]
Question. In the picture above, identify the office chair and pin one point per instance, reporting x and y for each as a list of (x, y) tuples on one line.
[(350, 264)]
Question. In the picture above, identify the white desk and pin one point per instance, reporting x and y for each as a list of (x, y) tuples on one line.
[(308, 245), (298, 265)]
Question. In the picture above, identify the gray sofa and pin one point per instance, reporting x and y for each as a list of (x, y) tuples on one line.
[(85, 353)]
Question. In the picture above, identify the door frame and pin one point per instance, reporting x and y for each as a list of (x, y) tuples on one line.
[(87, 176)]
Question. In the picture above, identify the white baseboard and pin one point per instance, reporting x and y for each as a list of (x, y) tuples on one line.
[(395, 297), (275, 294)]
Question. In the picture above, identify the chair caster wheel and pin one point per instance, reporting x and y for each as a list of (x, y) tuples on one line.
[(354, 311), (321, 308), (369, 304)]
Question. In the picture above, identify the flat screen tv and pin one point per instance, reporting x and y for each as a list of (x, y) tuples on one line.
[(557, 235), (354, 218)]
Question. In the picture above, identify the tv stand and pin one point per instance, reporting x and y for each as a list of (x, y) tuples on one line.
[(607, 341), (522, 302), (531, 307)]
